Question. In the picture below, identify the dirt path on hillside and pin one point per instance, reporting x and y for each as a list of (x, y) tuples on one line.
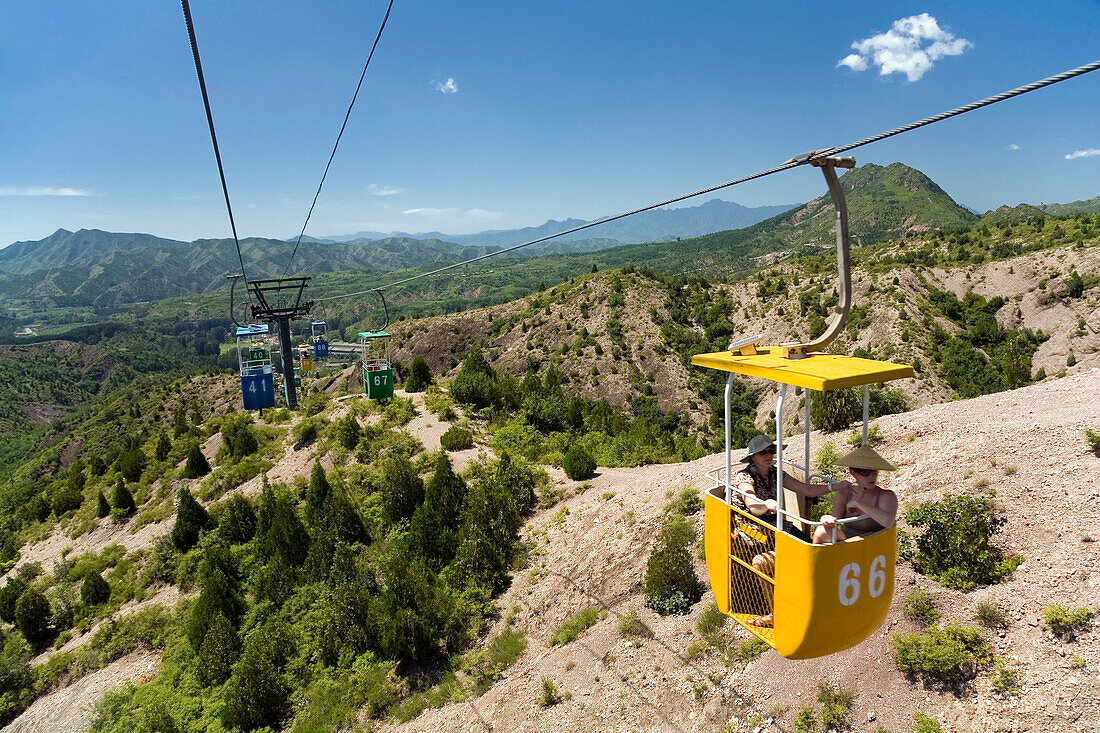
[(1028, 445)]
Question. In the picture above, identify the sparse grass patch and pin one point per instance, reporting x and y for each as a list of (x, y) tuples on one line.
[(688, 502), (694, 651), (836, 703), (1093, 439), (874, 436), (711, 621), (924, 724), (549, 694), (920, 607), (574, 626), (1005, 680), (806, 721), (632, 626), (991, 615), (607, 495)]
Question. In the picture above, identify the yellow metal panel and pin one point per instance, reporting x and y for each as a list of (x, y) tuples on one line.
[(716, 548), (831, 597), (817, 371)]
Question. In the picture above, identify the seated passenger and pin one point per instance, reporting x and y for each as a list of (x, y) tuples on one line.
[(757, 487), (864, 497)]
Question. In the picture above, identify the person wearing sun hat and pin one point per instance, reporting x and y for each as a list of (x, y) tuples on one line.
[(756, 494), (862, 497)]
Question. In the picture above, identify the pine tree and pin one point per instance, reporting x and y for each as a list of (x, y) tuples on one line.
[(316, 495), (196, 466), (238, 521), (420, 375), (9, 596), (446, 491), (164, 446), (403, 489), (122, 500), (191, 519), (131, 464), (347, 431), (220, 650), (256, 694), (490, 524), (179, 423), (102, 507), (94, 590), (280, 530), (68, 496), (220, 595)]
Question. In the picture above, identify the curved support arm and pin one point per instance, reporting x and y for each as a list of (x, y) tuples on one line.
[(844, 266)]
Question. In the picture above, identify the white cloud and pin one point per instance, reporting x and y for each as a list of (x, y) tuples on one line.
[(1087, 153), (910, 47), (42, 191), (853, 61), (447, 87), (1013, 146), (377, 189)]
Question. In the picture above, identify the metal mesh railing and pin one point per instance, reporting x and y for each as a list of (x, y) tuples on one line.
[(752, 573)]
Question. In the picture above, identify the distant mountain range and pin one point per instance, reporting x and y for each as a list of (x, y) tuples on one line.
[(105, 269), (650, 226)]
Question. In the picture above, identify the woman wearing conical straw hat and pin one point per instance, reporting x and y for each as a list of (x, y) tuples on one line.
[(863, 496)]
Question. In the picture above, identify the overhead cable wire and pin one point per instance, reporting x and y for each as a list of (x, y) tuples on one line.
[(793, 163), (213, 135), (338, 136)]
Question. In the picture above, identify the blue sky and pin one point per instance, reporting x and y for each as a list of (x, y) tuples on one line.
[(479, 115)]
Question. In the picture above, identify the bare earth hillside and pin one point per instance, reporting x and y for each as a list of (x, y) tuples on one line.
[(596, 557)]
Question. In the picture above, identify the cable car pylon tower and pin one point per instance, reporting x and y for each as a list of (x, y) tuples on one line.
[(289, 289)]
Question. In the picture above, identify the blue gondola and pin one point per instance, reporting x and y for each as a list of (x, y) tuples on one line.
[(254, 359)]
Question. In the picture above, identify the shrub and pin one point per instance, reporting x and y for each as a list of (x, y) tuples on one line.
[(578, 463), (924, 724), (164, 446), (191, 519), (9, 596), (919, 607), (991, 615), (631, 625), (131, 464), (671, 585), (836, 409), (836, 703), (456, 438), (315, 403), (1093, 438), (306, 431), (573, 626), (237, 523), (66, 497), (688, 502), (196, 465), (1064, 623), (827, 457), (955, 547), (219, 651), (805, 721), (32, 615), (947, 656), (751, 648), (420, 375), (240, 438), (711, 621), (1005, 680), (549, 694), (404, 489), (94, 590), (102, 508)]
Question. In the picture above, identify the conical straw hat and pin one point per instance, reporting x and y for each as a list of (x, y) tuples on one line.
[(866, 458)]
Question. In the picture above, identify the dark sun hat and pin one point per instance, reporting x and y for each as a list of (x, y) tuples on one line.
[(866, 458), (757, 444)]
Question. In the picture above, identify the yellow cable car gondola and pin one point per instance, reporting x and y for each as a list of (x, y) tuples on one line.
[(823, 598)]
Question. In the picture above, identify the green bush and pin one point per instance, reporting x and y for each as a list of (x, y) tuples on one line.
[(32, 615), (102, 508), (420, 375), (348, 431), (686, 503), (711, 621), (306, 431), (1064, 623), (920, 608), (751, 648), (671, 585), (1005, 680), (456, 438), (955, 548), (805, 721), (94, 590), (948, 656), (573, 626), (549, 694), (578, 463), (315, 403), (1093, 439)]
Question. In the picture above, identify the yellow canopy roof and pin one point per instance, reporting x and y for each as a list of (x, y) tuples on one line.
[(817, 371)]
